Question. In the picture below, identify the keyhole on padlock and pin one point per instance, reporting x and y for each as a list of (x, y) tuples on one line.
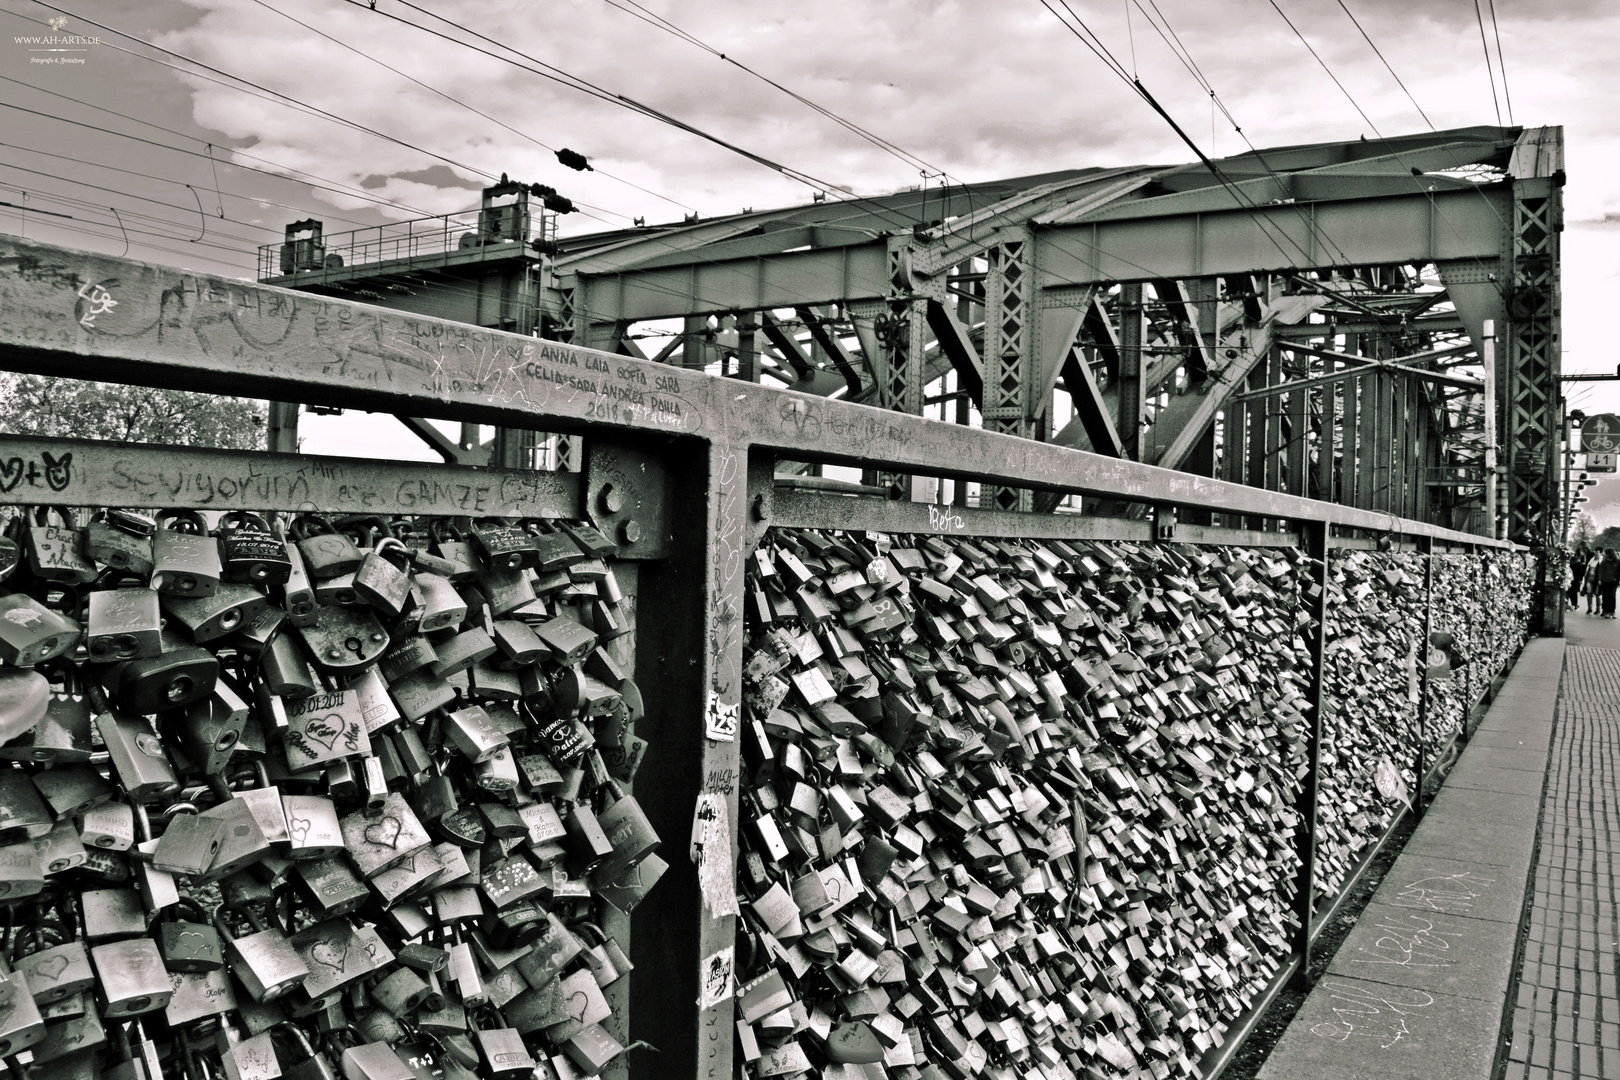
[(353, 645)]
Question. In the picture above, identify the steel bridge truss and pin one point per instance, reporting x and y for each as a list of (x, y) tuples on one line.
[(1312, 321)]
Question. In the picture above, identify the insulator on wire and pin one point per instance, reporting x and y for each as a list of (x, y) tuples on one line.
[(573, 159)]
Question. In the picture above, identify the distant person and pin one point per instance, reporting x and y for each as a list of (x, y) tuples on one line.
[(1608, 577), (1577, 575), (1589, 585)]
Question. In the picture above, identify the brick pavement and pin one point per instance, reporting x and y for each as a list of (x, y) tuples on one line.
[(1566, 1018)]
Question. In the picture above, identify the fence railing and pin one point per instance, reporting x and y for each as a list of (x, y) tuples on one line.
[(959, 785)]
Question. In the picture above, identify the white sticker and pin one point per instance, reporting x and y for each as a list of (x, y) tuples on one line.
[(721, 720), (717, 971), (711, 854)]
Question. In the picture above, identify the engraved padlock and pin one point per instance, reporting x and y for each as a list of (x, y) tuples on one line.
[(323, 728), (297, 593), (121, 540), (345, 640), (31, 633), (327, 553), (21, 874), (502, 545), (130, 977), (25, 699), (56, 962), (55, 548), (123, 624), (229, 607), (301, 1060), (383, 579), (264, 961), (312, 827), (185, 559), (249, 552), (21, 1026), (181, 674), (189, 941), (501, 1049)]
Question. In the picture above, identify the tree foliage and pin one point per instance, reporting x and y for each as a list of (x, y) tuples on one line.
[(1608, 538), (71, 408), (1583, 530)]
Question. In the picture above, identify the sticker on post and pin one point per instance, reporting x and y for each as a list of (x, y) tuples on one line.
[(717, 971), (722, 719), (711, 854)]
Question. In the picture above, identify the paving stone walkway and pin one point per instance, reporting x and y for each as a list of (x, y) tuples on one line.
[(1566, 1019)]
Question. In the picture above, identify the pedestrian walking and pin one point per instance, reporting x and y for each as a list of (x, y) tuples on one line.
[(1608, 576), (1577, 575), (1589, 587)]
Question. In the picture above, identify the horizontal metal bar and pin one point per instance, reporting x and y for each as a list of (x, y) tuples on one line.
[(92, 316), (1209, 534), (812, 510), (75, 472), (1350, 373), (837, 487)]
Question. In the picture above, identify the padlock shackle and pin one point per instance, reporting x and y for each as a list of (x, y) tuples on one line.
[(232, 520), (168, 519), (302, 527)]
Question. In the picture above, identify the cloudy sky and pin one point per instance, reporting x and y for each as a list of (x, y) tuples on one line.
[(202, 168)]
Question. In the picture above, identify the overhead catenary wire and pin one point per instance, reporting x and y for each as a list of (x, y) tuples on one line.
[(1490, 72), (1501, 63), (1379, 53)]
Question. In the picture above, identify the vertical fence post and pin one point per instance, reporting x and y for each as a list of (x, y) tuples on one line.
[(1426, 547), (1316, 551)]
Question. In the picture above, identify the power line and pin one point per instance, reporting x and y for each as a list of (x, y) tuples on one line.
[(1500, 62), (1489, 71), (465, 105), (1390, 69), (1354, 104)]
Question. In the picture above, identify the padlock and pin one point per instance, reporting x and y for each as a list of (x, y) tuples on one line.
[(569, 641), (20, 872), (473, 733), (313, 831), (54, 548), (121, 540), (249, 552), (190, 942), (198, 995), (375, 842), (630, 835), (185, 559), (555, 550), (502, 546), (345, 641), (400, 992), (31, 633), (188, 844), (82, 1034), (60, 849), (287, 670), (442, 606), (327, 553), (336, 954), (329, 887), (377, 710), (69, 790), (303, 1062), (242, 842), (297, 593), (462, 651), (21, 1026), (264, 961), (323, 728), (130, 977), (253, 1058), (25, 701), (207, 618), (57, 970), (501, 1049), (208, 731), (109, 826), (337, 591), (181, 674), (507, 591), (123, 624), (383, 579), (450, 544), (375, 1061), (137, 756)]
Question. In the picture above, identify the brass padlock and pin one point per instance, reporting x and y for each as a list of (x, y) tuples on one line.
[(264, 961), (54, 549), (185, 559), (345, 641), (69, 790), (131, 978), (327, 552), (229, 607), (383, 580), (31, 633), (122, 540), (108, 826), (249, 552), (507, 590), (123, 624)]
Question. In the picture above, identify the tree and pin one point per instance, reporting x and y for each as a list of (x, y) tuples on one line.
[(71, 408), (1608, 538), (1583, 530)]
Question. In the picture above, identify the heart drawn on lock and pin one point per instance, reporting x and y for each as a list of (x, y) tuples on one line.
[(325, 730), (298, 828), (584, 1005), (11, 473), (835, 888), (330, 954), (191, 941), (51, 967), (384, 833)]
